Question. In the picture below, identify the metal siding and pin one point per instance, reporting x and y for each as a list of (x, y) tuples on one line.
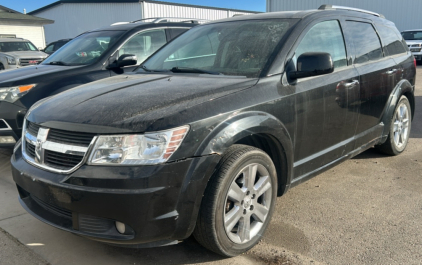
[(34, 33), (72, 19), (404, 14)]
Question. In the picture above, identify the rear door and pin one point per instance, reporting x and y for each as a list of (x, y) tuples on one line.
[(378, 76)]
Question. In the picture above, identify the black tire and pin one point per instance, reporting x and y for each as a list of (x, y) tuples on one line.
[(210, 230), (391, 146), (1, 67)]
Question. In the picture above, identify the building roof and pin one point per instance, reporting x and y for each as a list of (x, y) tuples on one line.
[(132, 1), (12, 15)]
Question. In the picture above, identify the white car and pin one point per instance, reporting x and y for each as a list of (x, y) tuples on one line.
[(18, 52), (413, 39)]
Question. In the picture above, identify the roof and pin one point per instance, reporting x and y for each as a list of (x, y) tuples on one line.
[(12, 15), (132, 1), (13, 40)]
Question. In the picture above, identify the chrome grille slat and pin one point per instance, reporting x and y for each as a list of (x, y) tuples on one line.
[(76, 138), (25, 61), (33, 128)]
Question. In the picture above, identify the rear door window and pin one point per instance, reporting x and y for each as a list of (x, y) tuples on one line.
[(325, 37), (365, 40)]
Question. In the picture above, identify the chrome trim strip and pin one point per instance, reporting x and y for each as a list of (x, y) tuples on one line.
[(56, 147), (8, 126)]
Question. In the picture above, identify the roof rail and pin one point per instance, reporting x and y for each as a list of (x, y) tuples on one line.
[(119, 23), (331, 7), (171, 19)]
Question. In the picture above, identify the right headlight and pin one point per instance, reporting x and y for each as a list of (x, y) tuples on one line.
[(137, 149), (11, 60)]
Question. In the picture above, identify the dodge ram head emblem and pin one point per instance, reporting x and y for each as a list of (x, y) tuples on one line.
[(39, 150)]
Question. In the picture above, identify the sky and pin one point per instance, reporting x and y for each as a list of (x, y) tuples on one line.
[(252, 5)]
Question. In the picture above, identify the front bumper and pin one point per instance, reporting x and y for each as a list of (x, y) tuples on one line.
[(156, 203), (417, 55), (13, 116)]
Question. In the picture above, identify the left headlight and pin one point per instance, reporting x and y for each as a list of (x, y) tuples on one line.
[(11, 60), (11, 94), (137, 149)]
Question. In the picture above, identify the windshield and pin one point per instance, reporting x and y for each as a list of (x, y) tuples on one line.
[(412, 35), (85, 49), (17, 46), (240, 48)]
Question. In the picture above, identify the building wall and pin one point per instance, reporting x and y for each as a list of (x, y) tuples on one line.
[(34, 33), (405, 14), (72, 19)]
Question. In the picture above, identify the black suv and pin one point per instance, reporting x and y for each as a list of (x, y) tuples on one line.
[(55, 45), (94, 55), (214, 126)]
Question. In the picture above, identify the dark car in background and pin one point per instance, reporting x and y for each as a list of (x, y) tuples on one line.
[(214, 126), (94, 55), (55, 45)]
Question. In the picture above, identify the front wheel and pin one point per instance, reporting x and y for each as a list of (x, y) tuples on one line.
[(1, 67), (238, 202), (399, 129)]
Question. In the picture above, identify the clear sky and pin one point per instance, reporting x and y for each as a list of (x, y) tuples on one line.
[(252, 5)]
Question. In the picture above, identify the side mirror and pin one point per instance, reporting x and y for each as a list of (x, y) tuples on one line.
[(124, 60), (312, 64)]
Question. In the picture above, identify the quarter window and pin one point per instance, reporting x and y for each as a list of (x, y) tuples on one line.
[(365, 40), (392, 40), (144, 44), (325, 37)]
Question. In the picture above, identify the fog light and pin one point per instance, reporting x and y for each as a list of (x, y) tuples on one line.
[(121, 227), (7, 140)]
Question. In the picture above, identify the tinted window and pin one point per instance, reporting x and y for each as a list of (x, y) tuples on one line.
[(365, 40), (17, 46), (176, 32), (59, 44), (144, 44), (49, 48), (325, 37), (392, 40)]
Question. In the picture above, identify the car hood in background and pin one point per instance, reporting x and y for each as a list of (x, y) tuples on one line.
[(27, 54), (135, 102)]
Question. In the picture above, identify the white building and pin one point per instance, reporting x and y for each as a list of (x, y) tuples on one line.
[(73, 17), (405, 14), (17, 25)]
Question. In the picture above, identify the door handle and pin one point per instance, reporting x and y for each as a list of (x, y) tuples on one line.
[(352, 84), (392, 71)]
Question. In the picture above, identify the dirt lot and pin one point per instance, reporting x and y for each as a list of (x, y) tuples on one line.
[(367, 210)]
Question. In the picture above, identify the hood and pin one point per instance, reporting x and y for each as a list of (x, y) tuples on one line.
[(134, 102), (27, 54), (410, 42), (8, 77)]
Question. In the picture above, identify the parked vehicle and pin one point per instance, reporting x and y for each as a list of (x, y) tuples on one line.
[(214, 126), (94, 55), (17, 52), (413, 39), (54, 46)]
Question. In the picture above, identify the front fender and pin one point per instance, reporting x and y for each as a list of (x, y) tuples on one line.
[(401, 88)]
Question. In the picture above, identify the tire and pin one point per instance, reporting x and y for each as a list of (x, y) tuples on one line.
[(399, 129), (232, 224), (1, 67)]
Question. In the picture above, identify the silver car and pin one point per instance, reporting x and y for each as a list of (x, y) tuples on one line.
[(17, 52), (413, 39)]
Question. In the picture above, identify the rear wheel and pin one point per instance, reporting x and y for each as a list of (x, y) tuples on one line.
[(1, 66), (238, 203), (399, 129)]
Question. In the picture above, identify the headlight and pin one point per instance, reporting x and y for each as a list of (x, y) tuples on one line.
[(137, 149), (11, 94), (11, 60)]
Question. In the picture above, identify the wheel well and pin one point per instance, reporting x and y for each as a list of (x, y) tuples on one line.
[(411, 99), (275, 150)]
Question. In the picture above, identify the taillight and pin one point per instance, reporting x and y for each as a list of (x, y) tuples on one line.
[(414, 61)]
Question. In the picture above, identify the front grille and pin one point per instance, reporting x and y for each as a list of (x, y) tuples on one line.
[(32, 128), (61, 161), (3, 125), (30, 150), (29, 61), (52, 208), (72, 138)]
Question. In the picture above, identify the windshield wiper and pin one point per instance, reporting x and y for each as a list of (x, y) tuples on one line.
[(192, 70), (58, 63)]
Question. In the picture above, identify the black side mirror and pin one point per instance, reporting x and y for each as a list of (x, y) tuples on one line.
[(312, 64), (124, 60)]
